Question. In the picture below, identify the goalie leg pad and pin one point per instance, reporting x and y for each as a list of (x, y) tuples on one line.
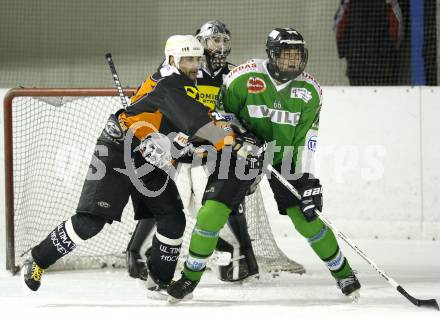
[(140, 242), (235, 239)]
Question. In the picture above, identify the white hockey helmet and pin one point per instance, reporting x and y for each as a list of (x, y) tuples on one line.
[(182, 45)]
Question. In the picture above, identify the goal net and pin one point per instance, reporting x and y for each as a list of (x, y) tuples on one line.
[(50, 137)]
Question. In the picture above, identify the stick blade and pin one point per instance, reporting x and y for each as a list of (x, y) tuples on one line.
[(428, 303)]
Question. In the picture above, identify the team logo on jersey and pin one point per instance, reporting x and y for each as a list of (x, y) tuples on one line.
[(255, 85), (301, 93), (311, 144), (112, 129)]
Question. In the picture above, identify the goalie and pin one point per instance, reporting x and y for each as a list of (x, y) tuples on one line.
[(191, 179)]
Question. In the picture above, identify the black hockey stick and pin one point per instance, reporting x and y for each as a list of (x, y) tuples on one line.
[(109, 59), (428, 303)]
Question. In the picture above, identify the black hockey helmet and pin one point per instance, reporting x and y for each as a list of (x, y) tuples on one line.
[(285, 38), (215, 38)]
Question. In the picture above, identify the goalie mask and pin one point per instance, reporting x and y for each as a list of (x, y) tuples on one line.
[(287, 54), (216, 40)]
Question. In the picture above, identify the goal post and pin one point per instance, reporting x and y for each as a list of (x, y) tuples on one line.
[(50, 135)]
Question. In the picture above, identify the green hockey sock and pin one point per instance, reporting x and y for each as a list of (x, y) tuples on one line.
[(211, 218), (323, 242)]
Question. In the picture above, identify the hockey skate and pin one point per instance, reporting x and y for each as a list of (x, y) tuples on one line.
[(350, 286), (156, 289), (32, 274), (181, 290)]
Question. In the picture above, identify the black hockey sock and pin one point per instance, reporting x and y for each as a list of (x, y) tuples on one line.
[(64, 238), (164, 256), (57, 244)]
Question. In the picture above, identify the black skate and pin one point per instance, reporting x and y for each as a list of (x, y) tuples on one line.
[(32, 274), (349, 286), (156, 289), (181, 289)]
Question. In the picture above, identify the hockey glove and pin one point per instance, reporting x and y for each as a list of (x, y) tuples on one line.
[(310, 190), (249, 147)]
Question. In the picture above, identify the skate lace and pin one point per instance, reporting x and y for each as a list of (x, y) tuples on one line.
[(37, 272), (344, 282), (187, 284)]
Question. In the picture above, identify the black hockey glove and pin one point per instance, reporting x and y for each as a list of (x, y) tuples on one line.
[(310, 190), (249, 147)]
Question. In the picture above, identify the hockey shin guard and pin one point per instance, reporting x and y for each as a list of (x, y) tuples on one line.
[(323, 242), (210, 219)]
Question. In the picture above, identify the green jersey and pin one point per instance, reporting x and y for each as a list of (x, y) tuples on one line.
[(287, 114)]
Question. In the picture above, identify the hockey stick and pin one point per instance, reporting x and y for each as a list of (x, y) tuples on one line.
[(428, 303), (109, 59)]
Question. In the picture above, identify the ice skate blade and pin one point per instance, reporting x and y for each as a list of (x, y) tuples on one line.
[(172, 300), (157, 294), (355, 296), (25, 288)]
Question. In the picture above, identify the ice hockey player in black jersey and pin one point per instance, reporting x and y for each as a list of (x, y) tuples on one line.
[(191, 180), (137, 148)]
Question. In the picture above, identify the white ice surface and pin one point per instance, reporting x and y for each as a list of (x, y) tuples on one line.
[(111, 293)]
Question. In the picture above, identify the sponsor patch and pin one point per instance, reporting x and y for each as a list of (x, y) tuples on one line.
[(181, 139), (301, 93), (192, 92), (255, 85), (311, 144), (275, 115)]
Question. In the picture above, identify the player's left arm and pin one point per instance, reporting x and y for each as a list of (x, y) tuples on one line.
[(306, 134), (305, 142)]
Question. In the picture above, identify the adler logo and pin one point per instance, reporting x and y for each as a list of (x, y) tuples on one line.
[(255, 85)]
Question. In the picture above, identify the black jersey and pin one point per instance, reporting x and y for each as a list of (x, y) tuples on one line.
[(172, 105), (209, 84)]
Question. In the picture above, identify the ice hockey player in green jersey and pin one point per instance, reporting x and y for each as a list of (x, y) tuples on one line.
[(280, 103)]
